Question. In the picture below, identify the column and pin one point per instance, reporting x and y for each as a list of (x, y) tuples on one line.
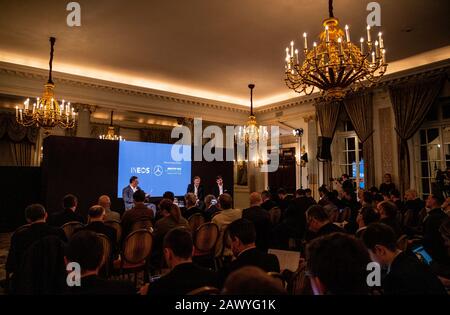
[(312, 166), (84, 120)]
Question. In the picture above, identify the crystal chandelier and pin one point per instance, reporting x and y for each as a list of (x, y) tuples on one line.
[(110, 134), (46, 112), (335, 65), (251, 133)]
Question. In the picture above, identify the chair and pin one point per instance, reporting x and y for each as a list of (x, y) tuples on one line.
[(144, 224), (136, 249), (299, 283), (107, 255), (8, 275), (204, 291), (205, 239), (275, 215), (115, 225), (70, 227), (278, 276), (195, 221)]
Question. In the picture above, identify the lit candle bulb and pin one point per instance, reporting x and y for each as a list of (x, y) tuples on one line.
[(292, 49), (362, 45), (380, 39), (368, 34), (17, 112), (26, 104), (347, 33), (38, 103), (340, 45), (373, 57), (306, 40), (315, 49), (327, 33), (296, 55), (383, 53), (20, 113), (377, 51), (34, 107)]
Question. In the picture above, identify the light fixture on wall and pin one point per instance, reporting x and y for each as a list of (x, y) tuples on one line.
[(46, 112), (110, 134), (335, 65)]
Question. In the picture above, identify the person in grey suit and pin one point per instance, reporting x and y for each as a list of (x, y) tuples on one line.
[(110, 215), (127, 192)]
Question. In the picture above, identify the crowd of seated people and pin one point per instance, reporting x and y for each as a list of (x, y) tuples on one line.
[(337, 236)]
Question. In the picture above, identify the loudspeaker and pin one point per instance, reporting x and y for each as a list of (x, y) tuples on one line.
[(324, 149)]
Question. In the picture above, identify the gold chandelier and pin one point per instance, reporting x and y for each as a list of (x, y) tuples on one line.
[(110, 134), (46, 112), (335, 65), (251, 133)]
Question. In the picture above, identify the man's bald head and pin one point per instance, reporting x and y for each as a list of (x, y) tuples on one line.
[(104, 201), (255, 199)]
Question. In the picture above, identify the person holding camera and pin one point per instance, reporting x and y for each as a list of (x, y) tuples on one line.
[(210, 207)]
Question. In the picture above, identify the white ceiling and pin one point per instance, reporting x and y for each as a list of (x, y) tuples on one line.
[(206, 48)]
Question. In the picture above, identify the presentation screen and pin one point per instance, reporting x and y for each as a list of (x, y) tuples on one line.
[(152, 163)]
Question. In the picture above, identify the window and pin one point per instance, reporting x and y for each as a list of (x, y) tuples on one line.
[(351, 159)]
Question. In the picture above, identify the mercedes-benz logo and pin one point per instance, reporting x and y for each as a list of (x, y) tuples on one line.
[(158, 170)]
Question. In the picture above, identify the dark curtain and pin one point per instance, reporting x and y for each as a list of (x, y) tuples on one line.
[(157, 135), (359, 108), (411, 102), (327, 115)]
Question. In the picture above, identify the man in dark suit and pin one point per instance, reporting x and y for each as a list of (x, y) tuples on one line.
[(127, 192), (196, 188), (243, 235), (433, 242), (210, 207), (294, 216), (260, 219), (184, 275), (283, 199), (140, 212), (191, 206), (267, 202), (319, 223), (388, 215), (406, 274), (96, 218), (85, 248), (347, 183), (70, 203), (36, 216), (219, 188)]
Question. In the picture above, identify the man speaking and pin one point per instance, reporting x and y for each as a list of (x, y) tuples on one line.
[(127, 192)]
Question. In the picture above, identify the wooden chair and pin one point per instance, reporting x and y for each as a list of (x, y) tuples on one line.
[(195, 221), (7, 274), (136, 249), (107, 255), (70, 227), (116, 226), (275, 215), (299, 283), (204, 291), (144, 224), (205, 239), (278, 276)]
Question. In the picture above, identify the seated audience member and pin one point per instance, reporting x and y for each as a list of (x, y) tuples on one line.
[(96, 218), (171, 219), (366, 216), (323, 191), (184, 275), (191, 205), (388, 215), (226, 215), (294, 217), (349, 201), (210, 207), (140, 212), (169, 195), (377, 199), (367, 199), (308, 194), (442, 268), (283, 198), (110, 215), (36, 216), (261, 220), (267, 203), (68, 214), (337, 265), (85, 248), (319, 223), (432, 239), (252, 280), (395, 198), (406, 274), (243, 235), (412, 208), (446, 206), (387, 186)]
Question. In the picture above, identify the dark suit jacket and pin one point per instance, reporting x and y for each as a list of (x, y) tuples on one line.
[(394, 224), (433, 242), (188, 212), (216, 191), (324, 230), (136, 214), (210, 212), (200, 192), (22, 240), (407, 275), (100, 227), (93, 285), (295, 216), (261, 220), (268, 204), (182, 279), (254, 257), (58, 219)]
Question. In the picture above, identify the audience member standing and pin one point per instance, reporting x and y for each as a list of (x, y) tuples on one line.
[(387, 186), (433, 242), (261, 220)]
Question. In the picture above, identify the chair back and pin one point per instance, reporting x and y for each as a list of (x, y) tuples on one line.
[(107, 252), (195, 221), (22, 228), (137, 246), (299, 284), (204, 291), (116, 226), (206, 236), (278, 276), (143, 224), (70, 227), (275, 215)]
